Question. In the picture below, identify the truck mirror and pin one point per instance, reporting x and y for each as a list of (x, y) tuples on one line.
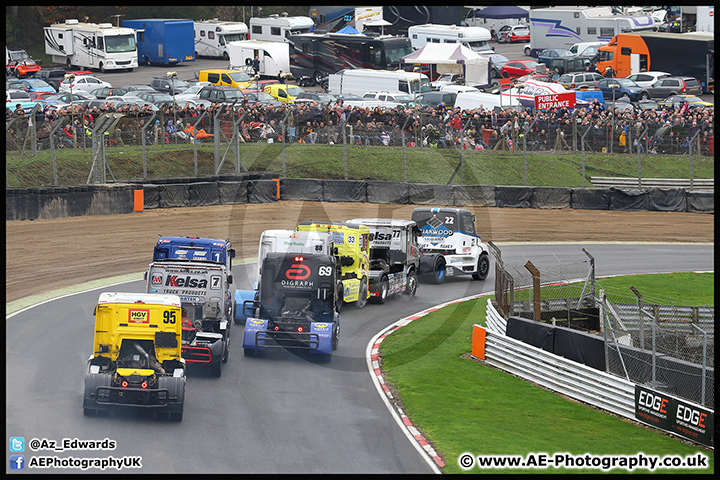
[(145, 276), (335, 251), (232, 253), (230, 279)]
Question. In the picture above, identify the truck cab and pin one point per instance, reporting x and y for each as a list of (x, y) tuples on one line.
[(296, 305), (136, 359), (451, 233), (283, 241), (352, 243), (394, 256)]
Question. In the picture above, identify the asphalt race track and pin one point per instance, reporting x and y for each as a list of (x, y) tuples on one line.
[(279, 412)]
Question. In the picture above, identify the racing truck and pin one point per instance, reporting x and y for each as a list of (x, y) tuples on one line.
[(351, 250), (450, 232), (394, 257), (296, 305), (202, 249), (288, 241), (136, 359), (201, 287)]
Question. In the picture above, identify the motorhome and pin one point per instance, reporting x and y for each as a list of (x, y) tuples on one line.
[(562, 27), (91, 45), (274, 57), (356, 82), (277, 29), (475, 38), (316, 55), (212, 37)]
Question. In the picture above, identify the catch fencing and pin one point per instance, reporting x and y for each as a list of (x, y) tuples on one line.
[(647, 341), (51, 150)]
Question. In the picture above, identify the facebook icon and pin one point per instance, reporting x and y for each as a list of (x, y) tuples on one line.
[(17, 462)]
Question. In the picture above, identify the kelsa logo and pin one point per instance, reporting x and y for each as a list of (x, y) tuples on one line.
[(136, 315), (297, 272), (188, 282)]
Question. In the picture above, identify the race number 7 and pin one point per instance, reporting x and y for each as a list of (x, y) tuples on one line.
[(215, 282)]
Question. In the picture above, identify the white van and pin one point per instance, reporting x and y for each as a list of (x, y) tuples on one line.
[(586, 49), (358, 81), (475, 38), (476, 99)]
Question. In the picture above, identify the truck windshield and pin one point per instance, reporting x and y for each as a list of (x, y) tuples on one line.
[(120, 43), (604, 56), (395, 51)]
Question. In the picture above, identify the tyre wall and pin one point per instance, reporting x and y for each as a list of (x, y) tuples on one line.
[(110, 199)]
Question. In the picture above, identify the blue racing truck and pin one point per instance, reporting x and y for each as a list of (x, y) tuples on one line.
[(296, 305), (164, 41)]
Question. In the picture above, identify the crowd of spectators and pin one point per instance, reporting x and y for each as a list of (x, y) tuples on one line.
[(439, 127)]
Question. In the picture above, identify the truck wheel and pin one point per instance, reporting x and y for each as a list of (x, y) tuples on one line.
[(412, 284), (335, 337), (362, 297), (90, 405), (384, 289), (483, 267), (438, 273), (226, 354), (317, 77), (325, 87), (340, 301), (216, 369), (527, 51)]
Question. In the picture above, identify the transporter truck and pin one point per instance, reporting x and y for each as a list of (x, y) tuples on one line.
[(163, 41), (136, 359), (205, 317), (352, 253), (450, 232), (295, 307), (284, 241)]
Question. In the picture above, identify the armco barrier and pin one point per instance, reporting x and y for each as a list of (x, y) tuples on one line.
[(108, 199)]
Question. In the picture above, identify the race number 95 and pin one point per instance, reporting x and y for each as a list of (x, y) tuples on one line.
[(169, 316)]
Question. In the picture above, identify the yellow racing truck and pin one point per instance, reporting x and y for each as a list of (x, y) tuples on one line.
[(136, 359), (352, 244)]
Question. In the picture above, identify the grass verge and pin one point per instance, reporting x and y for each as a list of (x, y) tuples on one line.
[(464, 406)]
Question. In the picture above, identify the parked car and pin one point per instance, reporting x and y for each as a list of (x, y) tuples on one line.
[(586, 49), (513, 34), (31, 85), (167, 85), (434, 99), (282, 92), (577, 80), (105, 92), (40, 96), (497, 61), (156, 98), (83, 83), (668, 86), (518, 68), (445, 79), (64, 97), (321, 98), (192, 92), (646, 79), (540, 77), (624, 88), (139, 88), (399, 98), (20, 97), (25, 68), (566, 64), (221, 94), (53, 76), (677, 100), (548, 54), (258, 96)]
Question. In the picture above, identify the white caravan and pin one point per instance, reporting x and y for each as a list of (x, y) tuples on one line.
[(91, 45), (212, 37), (277, 29), (273, 56), (475, 38), (358, 81), (562, 27)]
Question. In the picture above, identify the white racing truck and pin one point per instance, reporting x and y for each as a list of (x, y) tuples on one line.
[(206, 316), (283, 241), (451, 233)]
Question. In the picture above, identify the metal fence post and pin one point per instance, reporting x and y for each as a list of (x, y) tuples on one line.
[(692, 140), (639, 139), (58, 124), (150, 123), (345, 161)]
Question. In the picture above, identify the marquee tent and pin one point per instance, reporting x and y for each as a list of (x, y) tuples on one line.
[(502, 11), (453, 58)]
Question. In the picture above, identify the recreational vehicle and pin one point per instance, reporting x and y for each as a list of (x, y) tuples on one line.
[(274, 57), (316, 55), (91, 45), (212, 37), (475, 38), (562, 27), (277, 29)]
